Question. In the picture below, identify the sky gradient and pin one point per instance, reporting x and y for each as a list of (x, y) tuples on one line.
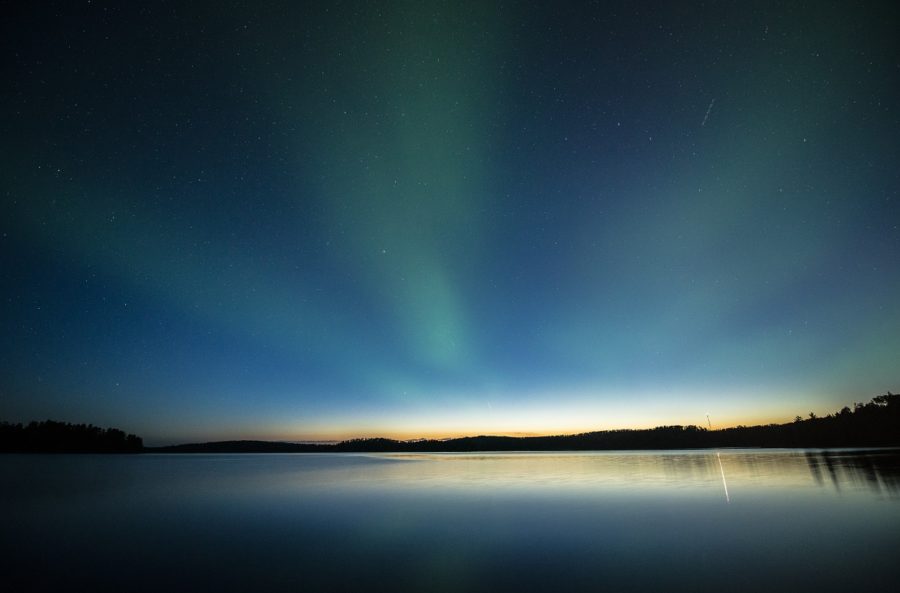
[(314, 221)]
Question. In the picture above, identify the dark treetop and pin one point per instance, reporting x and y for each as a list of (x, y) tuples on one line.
[(62, 437)]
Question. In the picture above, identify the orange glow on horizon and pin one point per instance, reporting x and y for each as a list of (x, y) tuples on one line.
[(531, 415), (436, 432)]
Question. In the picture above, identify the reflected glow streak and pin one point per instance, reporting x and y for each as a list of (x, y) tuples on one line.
[(724, 483)]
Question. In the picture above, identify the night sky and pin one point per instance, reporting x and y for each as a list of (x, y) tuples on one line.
[(317, 220)]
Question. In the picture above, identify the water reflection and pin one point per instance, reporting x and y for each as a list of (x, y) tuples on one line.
[(620, 521), (722, 471), (879, 471), (730, 471)]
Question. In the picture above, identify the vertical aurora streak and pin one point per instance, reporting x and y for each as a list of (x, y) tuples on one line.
[(430, 218)]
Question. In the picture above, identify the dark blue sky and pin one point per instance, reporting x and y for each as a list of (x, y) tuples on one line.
[(287, 220)]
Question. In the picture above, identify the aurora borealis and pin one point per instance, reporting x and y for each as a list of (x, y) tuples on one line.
[(322, 220)]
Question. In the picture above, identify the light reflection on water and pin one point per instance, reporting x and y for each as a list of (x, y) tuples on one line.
[(629, 521)]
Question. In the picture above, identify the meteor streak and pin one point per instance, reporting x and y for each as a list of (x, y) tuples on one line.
[(708, 109)]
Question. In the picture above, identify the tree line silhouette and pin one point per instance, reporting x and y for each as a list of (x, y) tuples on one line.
[(874, 424), (62, 437)]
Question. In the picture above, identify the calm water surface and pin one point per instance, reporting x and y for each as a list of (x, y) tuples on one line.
[(737, 520)]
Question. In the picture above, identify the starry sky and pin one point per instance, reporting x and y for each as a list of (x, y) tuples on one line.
[(312, 221)]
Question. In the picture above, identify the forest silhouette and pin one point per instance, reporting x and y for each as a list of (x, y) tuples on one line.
[(62, 437), (873, 424)]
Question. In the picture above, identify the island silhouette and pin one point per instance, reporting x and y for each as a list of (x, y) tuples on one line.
[(873, 424)]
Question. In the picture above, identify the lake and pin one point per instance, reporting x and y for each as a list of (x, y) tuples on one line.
[(734, 520)]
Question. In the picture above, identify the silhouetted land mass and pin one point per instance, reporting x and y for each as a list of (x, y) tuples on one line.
[(875, 424), (62, 437)]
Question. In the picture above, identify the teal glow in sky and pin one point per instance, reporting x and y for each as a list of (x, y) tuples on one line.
[(429, 218)]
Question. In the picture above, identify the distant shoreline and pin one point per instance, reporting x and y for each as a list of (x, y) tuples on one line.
[(875, 424), (202, 450)]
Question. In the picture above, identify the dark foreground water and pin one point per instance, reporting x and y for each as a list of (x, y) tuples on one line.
[(636, 521)]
